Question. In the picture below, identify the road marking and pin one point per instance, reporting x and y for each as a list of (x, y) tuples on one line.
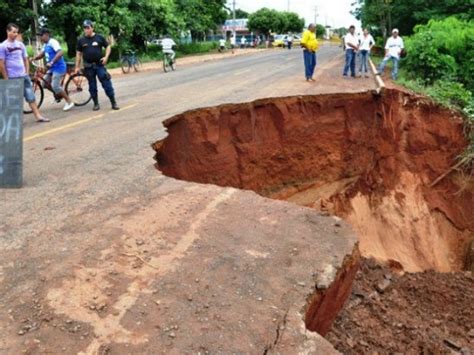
[(73, 124), (243, 72), (62, 128), (124, 108)]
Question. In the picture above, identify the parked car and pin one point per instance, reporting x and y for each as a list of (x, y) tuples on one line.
[(280, 40), (156, 42)]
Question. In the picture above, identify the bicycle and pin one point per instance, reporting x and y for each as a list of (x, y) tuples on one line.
[(77, 87), (168, 62), (128, 60)]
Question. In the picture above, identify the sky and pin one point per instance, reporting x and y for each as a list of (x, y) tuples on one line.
[(335, 13)]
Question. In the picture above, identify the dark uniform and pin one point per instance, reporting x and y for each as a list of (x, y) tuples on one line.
[(92, 49)]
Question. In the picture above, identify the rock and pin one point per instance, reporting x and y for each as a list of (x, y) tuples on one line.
[(471, 333), (364, 343), (190, 298), (452, 344), (260, 299), (139, 242), (172, 335), (350, 342), (21, 332), (302, 284), (382, 285)]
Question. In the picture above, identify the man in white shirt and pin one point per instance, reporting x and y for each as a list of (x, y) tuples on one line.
[(243, 42), (352, 46), (289, 40), (393, 50), (167, 44), (366, 42), (221, 45)]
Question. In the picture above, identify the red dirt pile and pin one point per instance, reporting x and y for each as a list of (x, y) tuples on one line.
[(389, 313), (366, 158)]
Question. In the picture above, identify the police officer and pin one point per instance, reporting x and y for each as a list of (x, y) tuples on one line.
[(90, 48)]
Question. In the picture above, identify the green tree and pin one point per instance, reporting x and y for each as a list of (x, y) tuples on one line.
[(17, 11), (291, 22), (320, 30), (406, 14), (131, 22), (267, 20), (239, 13), (264, 21), (201, 17)]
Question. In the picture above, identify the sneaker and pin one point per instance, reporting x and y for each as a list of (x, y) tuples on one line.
[(68, 106), (96, 107), (115, 106)]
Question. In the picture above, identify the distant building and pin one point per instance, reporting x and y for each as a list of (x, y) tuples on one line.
[(240, 26)]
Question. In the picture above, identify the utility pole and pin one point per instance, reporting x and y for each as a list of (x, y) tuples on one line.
[(315, 15), (233, 16), (36, 24), (288, 5)]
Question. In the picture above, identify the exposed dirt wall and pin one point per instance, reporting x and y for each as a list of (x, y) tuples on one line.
[(369, 159)]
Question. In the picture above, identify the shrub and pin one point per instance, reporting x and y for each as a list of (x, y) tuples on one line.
[(451, 94), (196, 47), (442, 49)]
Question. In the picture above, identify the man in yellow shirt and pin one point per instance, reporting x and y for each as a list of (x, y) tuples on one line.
[(310, 45)]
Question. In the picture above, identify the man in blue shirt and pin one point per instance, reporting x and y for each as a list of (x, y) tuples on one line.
[(56, 65)]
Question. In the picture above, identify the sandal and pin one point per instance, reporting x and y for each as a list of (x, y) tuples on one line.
[(42, 119)]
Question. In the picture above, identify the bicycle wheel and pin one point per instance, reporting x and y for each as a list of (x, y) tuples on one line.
[(77, 88), (137, 64), (125, 66), (166, 65), (39, 95)]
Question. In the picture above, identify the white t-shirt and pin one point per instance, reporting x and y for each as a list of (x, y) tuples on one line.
[(222, 42), (394, 46), (290, 38), (167, 45), (366, 42), (243, 40), (350, 38), (232, 40)]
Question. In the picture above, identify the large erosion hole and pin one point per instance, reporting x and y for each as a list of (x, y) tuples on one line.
[(369, 159)]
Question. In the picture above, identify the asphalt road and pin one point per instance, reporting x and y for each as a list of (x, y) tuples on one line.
[(83, 157), (90, 180)]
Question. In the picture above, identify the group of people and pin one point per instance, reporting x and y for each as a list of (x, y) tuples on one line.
[(355, 47), (15, 64), (361, 47)]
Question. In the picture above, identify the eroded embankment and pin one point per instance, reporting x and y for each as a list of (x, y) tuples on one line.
[(369, 159)]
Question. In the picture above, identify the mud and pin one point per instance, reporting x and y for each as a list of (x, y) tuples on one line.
[(366, 158), (409, 315)]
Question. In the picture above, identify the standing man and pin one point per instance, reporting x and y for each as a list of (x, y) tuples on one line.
[(393, 50), (310, 45), (243, 42), (366, 44), (352, 46), (290, 40), (56, 65), (89, 49), (233, 42), (14, 64)]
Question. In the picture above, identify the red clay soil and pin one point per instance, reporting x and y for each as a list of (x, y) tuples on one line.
[(420, 313), (369, 159)]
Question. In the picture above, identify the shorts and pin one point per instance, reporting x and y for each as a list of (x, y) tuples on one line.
[(28, 92), (56, 79)]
